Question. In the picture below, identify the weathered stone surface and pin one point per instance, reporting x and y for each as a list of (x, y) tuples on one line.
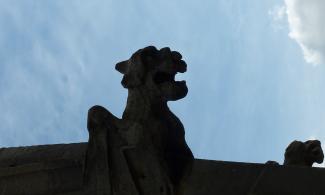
[(15, 156), (235, 178), (146, 149), (303, 153), (46, 169)]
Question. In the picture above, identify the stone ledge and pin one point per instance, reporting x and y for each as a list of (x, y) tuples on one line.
[(235, 178)]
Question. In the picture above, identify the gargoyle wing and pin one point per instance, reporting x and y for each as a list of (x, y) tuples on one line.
[(104, 159)]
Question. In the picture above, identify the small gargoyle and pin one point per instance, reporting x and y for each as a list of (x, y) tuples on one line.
[(303, 154)]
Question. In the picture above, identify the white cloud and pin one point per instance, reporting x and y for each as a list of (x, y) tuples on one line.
[(278, 14), (307, 27)]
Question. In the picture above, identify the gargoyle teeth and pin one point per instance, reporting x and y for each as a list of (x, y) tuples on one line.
[(182, 67)]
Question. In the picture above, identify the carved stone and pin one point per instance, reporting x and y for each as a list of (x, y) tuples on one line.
[(303, 153), (146, 149)]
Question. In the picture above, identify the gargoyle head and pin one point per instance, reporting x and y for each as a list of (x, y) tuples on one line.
[(154, 72), (304, 153)]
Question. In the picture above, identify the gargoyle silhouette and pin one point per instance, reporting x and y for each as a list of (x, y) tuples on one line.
[(148, 142), (303, 153)]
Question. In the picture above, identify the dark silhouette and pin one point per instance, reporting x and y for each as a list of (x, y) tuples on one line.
[(303, 153), (149, 136)]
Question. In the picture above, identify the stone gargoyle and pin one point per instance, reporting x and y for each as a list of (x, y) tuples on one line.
[(303, 154), (145, 151)]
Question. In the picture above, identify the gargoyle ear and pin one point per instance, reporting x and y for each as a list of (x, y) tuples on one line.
[(122, 67)]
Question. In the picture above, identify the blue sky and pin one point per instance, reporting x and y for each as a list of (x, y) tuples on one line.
[(255, 75)]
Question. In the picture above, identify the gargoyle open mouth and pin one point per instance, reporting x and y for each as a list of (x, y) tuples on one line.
[(169, 76), (171, 89), (162, 77)]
